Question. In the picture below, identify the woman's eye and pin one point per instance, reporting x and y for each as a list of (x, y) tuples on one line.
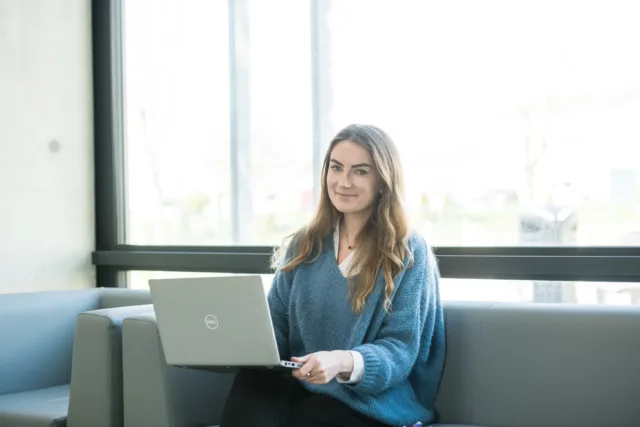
[(361, 172), (335, 168)]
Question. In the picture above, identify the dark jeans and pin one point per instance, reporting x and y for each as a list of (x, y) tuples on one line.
[(276, 399)]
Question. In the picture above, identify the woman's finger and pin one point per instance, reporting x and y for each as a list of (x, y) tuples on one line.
[(302, 359), (306, 369)]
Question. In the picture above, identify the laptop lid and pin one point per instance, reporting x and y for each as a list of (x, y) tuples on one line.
[(214, 321)]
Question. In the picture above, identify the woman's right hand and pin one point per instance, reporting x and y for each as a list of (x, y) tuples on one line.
[(323, 366)]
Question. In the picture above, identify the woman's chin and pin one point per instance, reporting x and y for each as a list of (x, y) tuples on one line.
[(347, 209), (341, 209)]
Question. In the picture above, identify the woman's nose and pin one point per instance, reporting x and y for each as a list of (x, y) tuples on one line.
[(345, 180)]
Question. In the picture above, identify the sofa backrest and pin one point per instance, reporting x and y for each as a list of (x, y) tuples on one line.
[(36, 337), (532, 365), (123, 297)]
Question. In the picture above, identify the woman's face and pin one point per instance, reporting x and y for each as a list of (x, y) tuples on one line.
[(352, 179)]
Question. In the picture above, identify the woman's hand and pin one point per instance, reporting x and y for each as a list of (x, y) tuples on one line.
[(323, 366)]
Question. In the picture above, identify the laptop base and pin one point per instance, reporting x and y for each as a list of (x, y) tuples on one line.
[(236, 369)]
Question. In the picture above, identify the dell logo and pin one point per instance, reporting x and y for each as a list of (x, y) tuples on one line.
[(211, 321)]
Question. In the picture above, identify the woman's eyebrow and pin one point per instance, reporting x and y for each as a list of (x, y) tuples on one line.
[(359, 165)]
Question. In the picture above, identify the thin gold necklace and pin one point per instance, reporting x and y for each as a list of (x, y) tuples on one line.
[(346, 236)]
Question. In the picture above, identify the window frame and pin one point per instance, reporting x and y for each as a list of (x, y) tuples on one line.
[(112, 258)]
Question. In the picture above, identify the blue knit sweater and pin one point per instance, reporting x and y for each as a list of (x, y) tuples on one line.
[(403, 351)]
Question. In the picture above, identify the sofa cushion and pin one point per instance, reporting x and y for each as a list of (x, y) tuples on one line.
[(39, 408)]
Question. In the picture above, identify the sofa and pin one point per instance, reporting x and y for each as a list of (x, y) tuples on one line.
[(61, 357), (507, 365)]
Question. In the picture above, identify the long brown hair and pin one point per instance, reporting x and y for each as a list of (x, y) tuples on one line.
[(382, 242)]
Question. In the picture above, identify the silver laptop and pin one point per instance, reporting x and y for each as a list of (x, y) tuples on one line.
[(216, 323)]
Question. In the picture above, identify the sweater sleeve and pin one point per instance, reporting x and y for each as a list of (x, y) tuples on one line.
[(278, 300), (389, 359)]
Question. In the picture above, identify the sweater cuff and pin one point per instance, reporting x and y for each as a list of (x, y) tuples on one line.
[(373, 378), (358, 369)]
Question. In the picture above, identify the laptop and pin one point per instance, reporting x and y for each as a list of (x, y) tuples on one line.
[(216, 323)]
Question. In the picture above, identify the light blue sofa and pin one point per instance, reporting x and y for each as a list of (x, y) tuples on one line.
[(60, 354)]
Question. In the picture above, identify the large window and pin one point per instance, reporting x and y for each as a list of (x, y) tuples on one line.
[(516, 123)]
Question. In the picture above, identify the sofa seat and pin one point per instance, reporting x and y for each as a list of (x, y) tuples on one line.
[(39, 408)]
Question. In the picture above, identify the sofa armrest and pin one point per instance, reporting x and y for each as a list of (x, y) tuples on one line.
[(96, 376), (159, 395)]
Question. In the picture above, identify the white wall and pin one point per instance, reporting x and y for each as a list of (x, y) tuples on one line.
[(46, 197)]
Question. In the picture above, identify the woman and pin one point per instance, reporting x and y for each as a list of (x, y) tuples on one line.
[(355, 299)]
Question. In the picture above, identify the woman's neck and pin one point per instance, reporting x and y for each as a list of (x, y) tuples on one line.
[(352, 224)]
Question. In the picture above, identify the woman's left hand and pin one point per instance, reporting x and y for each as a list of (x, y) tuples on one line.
[(323, 366)]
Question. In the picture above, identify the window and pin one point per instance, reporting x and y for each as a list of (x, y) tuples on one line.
[(510, 135), (526, 291), (517, 291), (176, 82), (281, 174), (516, 121), (197, 172)]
